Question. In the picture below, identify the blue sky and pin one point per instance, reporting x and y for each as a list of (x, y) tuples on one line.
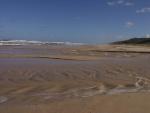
[(87, 21)]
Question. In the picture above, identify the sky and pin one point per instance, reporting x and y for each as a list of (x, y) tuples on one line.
[(85, 21)]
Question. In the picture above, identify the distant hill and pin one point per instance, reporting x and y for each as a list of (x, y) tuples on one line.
[(134, 41)]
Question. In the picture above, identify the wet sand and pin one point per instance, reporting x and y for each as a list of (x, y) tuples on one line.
[(74, 79)]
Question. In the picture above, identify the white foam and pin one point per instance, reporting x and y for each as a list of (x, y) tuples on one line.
[(3, 99), (26, 42)]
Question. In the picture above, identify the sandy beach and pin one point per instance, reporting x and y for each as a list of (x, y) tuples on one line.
[(74, 79)]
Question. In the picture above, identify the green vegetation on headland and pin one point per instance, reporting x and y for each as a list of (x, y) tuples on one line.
[(142, 41)]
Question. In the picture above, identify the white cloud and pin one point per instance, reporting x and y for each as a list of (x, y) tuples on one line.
[(147, 36), (129, 4), (110, 3), (120, 37), (143, 10), (120, 2), (129, 24)]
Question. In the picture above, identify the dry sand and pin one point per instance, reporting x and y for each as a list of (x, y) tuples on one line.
[(75, 79)]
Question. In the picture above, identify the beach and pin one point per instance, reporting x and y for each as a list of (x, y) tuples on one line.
[(74, 79)]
